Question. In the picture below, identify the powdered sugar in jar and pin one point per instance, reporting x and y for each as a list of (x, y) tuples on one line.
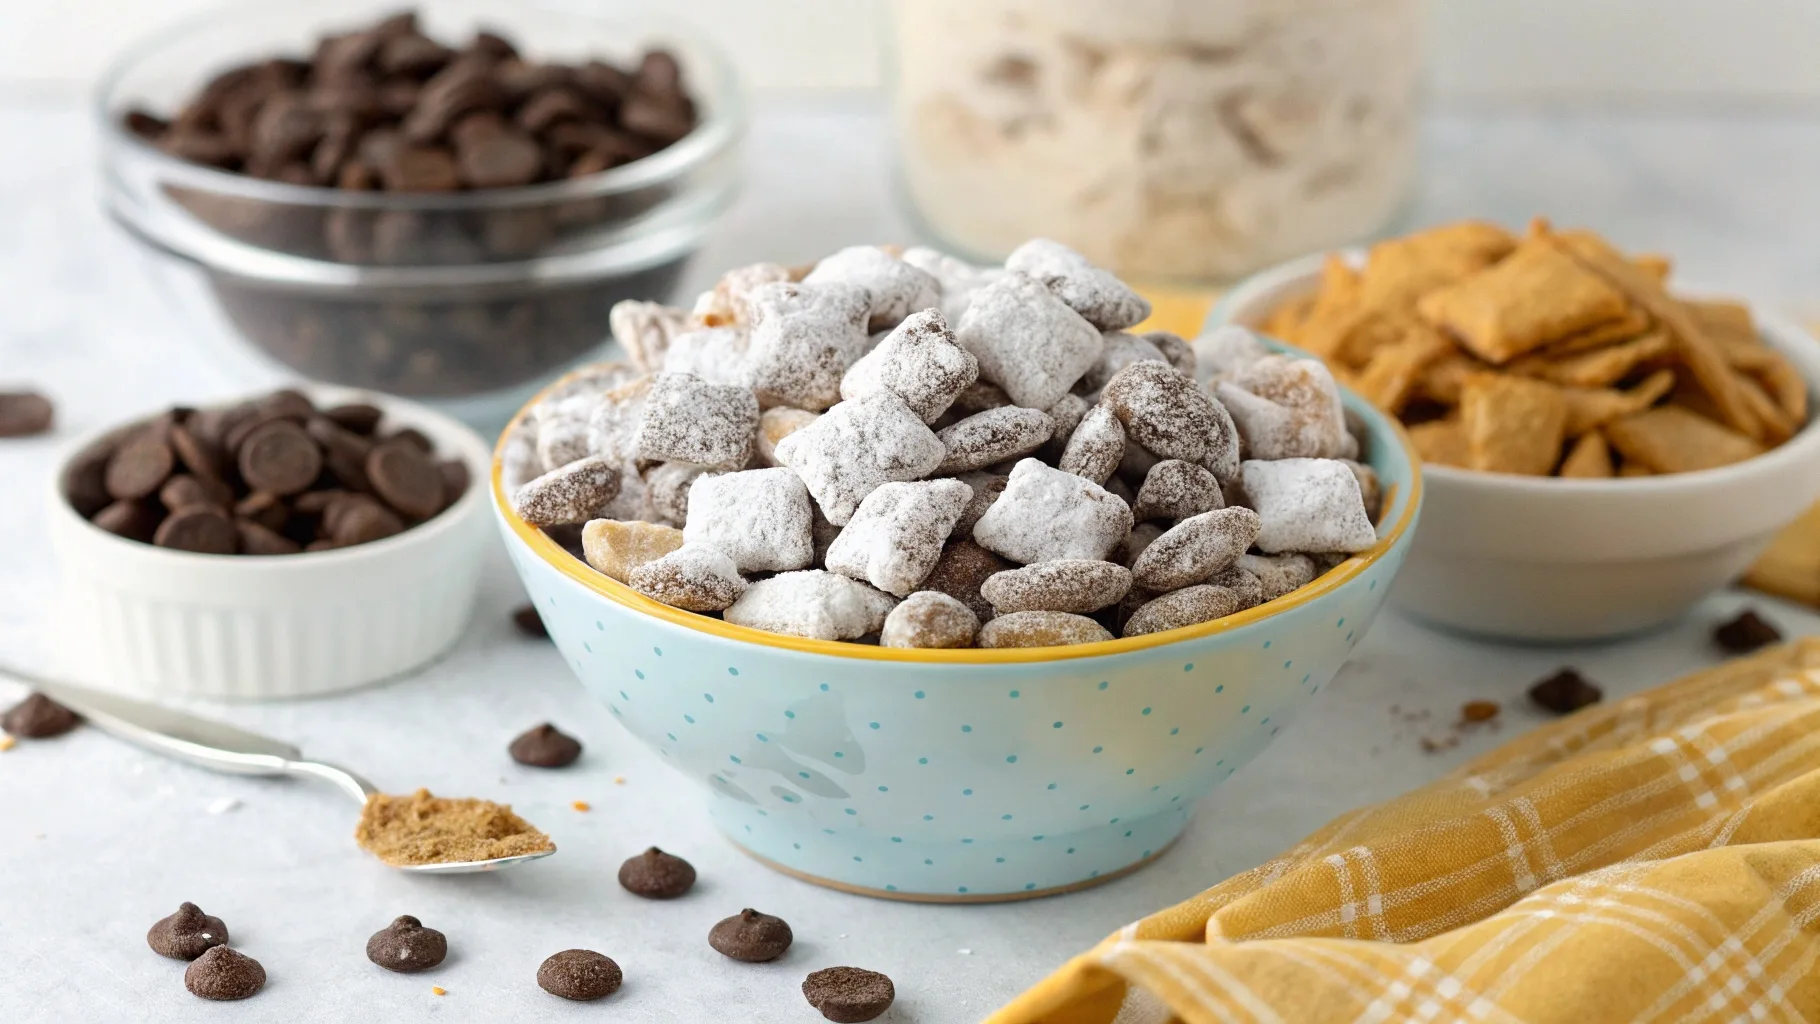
[(1164, 138)]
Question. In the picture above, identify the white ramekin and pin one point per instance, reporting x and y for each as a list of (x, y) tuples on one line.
[(148, 620), (1549, 559)]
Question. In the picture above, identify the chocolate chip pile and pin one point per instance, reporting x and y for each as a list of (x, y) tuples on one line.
[(388, 107), (273, 475), (898, 445)]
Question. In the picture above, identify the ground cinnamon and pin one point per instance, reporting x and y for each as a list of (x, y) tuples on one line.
[(423, 829)]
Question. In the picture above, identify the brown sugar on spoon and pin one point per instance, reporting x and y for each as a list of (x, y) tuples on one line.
[(407, 831)]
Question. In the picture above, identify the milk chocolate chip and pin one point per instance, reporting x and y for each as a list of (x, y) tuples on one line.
[(24, 413), (579, 974), (38, 717), (1746, 633), (751, 936), (657, 875), (224, 974), (406, 946), (545, 746), (1564, 692), (187, 934), (849, 995)]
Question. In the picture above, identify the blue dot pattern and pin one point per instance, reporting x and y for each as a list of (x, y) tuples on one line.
[(925, 779)]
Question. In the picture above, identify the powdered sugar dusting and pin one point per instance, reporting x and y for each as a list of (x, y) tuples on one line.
[(1097, 447), (812, 603), (1307, 505), (570, 494), (1102, 299), (1076, 585), (857, 446), (896, 536), (694, 577), (804, 337), (760, 517), (1046, 514), (920, 362), (1027, 341), (897, 288), (990, 437), (1195, 548), (686, 419)]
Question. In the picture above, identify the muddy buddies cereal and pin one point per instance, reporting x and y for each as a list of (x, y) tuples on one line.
[(915, 452)]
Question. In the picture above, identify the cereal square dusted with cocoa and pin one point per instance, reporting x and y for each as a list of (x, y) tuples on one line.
[(1027, 341), (686, 419), (694, 577), (855, 447), (1046, 514), (728, 303), (994, 436), (1194, 549), (1099, 297), (715, 354), (897, 288), (957, 278), (760, 517), (1096, 448), (804, 337), (613, 425), (920, 362), (812, 603), (1307, 505), (568, 495), (644, 330), (1174, 489), (896, 536), (1287, 409)]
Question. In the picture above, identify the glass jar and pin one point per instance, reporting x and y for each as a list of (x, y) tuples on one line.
[(1168, 139)]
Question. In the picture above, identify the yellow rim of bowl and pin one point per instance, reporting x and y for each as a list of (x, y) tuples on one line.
[(581, 572)]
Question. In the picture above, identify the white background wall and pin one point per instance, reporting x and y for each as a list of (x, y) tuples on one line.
[(1579, 52)]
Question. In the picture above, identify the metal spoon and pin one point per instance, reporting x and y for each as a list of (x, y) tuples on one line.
[(222, 748)]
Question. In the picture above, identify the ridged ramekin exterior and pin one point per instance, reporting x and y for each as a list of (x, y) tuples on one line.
[(147, 620)]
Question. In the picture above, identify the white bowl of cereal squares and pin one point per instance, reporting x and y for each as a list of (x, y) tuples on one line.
[(948, 613), (1601, 452)]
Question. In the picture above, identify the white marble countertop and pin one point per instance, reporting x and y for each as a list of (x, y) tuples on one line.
[(97, 840)]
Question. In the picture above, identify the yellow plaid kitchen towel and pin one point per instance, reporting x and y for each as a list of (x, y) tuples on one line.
[(1652, 859)]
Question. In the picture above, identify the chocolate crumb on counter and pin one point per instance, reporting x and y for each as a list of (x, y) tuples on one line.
[(849, 995), (1476, 711), (1564, 692), (657, 875), (545, 746), (406, 946), (186, 934), (1746, 633), (579, 974), (224, 974), (25, 414), (529, 623), (38, 717)]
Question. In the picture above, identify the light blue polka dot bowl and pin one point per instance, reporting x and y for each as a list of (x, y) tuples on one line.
[(971, 775)]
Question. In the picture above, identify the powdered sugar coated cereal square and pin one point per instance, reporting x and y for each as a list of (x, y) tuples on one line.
[(644, 330), (895, 537), (958, 278), (897, 288), (812, 603), (1307, 505), (760, 517), (1287, 408), (1224, 350), (728, 302), (1097, 295), (1046, 514), (715, 354), (804, 337), (694, 577), (1027, 341), (689, 420), (855, 447), (920, 362), (613, 425)]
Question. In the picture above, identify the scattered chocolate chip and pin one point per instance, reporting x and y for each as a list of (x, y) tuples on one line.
[(140, 466), (406, 946), (24, 413), (198, 454), (405, 477), (656, 875), (1565, 691), (223, 974), (202, 529), (1478, 711), (279, 458), (751, 936), (268, 510), (38, 717), (529, 623), (579, 974), (187, 934), (849, 995), (545, 746), (1746, 633), (359, 520)]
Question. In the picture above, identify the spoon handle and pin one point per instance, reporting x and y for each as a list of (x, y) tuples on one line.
[(216, 746)]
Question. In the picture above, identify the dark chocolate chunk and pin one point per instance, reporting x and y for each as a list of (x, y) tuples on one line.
[(656, 875), (24, 413), (529, 623), (187, 934), (579, 974), (360, 519), (406, 946), (545, 746), (1565, 691), (406, 477), (198, 454), (38, 717), (499, 159), (849, 995), (279, 458), (203, 529), (268, 510), (751, 936), (1746, 633), (224, 974), (140, 466)]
